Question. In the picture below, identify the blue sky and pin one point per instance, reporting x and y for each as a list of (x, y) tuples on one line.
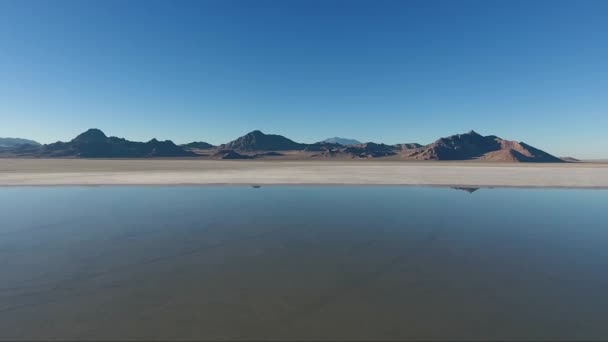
[(385, 71)]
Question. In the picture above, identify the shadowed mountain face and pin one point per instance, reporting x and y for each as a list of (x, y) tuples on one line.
[(475, 146), (370, 150), (458, 147), (95, 144), (199, 145), (341, 141), (258, 141), (91, 136)]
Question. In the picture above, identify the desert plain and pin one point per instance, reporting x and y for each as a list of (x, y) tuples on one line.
[(54, 172)]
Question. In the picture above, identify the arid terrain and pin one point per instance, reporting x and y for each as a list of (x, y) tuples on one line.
[(15, 172), (257, 145), (466, 160)]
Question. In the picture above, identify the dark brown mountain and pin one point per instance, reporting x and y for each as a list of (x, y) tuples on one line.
[(95, 144), (198, 145), (258, 141), (366, 150), (475, 146), (370, 150)]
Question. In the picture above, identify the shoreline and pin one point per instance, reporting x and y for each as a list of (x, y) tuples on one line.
[(253, 185), (154, 172)]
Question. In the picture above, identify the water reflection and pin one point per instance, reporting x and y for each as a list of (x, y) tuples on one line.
[(469, 190), (306, 263)]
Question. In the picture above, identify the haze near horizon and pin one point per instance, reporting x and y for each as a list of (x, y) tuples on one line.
[(383, 71)]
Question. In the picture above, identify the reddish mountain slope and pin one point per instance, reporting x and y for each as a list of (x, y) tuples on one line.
[(475, 146)]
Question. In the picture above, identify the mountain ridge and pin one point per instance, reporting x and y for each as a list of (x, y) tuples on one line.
[(94, 143), (258, 141), (472, 145), (10, 142), (341, 141)]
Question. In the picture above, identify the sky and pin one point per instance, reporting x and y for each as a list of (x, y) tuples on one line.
[(382, 71)]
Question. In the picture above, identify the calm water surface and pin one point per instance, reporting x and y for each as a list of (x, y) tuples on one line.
[(346, 263)]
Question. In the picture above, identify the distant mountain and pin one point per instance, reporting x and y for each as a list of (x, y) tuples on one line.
[(322, 146), (341, 141), (472, 145), (199, 145), (258, 141), (95, 144), (466, 146), (408, 146), (367, 150), (12, 142), (370, 150), (570, 159)]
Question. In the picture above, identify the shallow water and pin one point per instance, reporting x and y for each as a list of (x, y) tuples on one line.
[(302, 263)]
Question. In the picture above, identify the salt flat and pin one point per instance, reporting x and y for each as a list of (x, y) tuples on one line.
[(31, 172)]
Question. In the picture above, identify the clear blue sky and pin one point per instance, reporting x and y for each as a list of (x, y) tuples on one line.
[(385, 71)]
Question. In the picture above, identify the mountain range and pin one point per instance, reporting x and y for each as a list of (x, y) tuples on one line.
[(255, 145), (95, 144)]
